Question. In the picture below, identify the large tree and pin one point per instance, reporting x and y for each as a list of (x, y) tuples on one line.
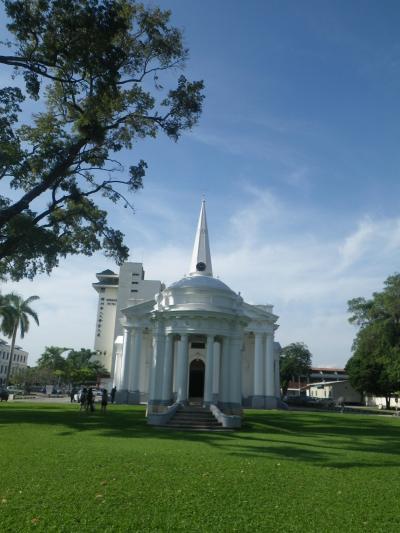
[(52, 358), (101, 71), (374, 367), (15, 313), (295, 363), (83, 367)]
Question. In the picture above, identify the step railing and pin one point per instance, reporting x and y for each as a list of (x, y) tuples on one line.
[(161, 419), (227, 421)]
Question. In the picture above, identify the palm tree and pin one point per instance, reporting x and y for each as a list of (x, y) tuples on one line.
[(15, 313)]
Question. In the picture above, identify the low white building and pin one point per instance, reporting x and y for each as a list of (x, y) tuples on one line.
[(20, 360), (334, 390), (196, 339)]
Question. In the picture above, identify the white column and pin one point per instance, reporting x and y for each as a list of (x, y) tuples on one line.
[(258, 365), (269, 366), (117, 371), (209, 374), (235, 385), (168, 368), (156, 371), (126, 355), (277, 372), (217, 351), (137, 352), (182, 370), (224, 372)]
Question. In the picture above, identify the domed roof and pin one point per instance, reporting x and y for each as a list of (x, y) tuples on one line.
[(200, 282)]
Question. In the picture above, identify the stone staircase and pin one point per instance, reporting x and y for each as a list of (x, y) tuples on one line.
[(194, 417)]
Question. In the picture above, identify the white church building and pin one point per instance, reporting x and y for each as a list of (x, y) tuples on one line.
[(193, 342)]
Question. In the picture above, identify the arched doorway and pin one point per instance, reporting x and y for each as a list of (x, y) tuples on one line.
[(196, 379)]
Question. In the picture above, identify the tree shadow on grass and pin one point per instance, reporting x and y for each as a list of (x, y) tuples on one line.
[(332, 440)]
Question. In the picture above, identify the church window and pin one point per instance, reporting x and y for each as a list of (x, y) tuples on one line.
[(135, 283), (134, 290), (198, 345), (135, 274)]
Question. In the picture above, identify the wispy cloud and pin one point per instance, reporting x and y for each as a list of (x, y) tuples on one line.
[(261, 147)]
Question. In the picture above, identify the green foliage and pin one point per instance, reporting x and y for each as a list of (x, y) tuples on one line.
[(295, 362), (52, 358), (96, 68), (78, 367), (375, 364), (285, 472)]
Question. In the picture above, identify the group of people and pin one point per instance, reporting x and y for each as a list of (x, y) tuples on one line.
[(86, 398)]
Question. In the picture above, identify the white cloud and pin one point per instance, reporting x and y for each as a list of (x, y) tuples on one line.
[(308, 277)]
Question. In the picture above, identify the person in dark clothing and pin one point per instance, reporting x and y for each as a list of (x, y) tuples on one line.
[(112, 395), (90, 400), (104, 400), (72, 395)]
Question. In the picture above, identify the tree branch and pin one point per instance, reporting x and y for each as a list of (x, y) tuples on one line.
[(60, 170)]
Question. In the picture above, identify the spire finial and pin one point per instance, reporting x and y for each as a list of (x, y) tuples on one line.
[(201, 257)]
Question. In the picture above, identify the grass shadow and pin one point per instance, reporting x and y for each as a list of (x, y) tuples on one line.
[(331, 439)]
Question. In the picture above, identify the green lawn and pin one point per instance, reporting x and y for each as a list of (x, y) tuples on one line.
[(63, 470)]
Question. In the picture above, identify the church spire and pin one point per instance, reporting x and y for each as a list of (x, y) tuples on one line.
[(201, 257)]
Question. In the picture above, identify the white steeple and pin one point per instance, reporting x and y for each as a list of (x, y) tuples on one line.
[(201, 257)]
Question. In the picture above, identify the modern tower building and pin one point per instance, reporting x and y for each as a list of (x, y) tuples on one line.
[(116, 291)]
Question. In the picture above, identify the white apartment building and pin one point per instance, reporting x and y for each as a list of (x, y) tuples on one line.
[(117, 291), (20, 360)]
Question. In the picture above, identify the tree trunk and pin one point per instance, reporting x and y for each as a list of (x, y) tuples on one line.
[(11, 354), (387, 400)]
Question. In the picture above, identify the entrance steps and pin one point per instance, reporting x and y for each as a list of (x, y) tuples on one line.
[(194, 417)]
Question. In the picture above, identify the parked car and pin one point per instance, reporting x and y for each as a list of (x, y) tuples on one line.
[(326, 402), (4, 394), (14, 390), (301, 401)]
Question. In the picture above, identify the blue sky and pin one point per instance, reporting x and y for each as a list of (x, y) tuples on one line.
[(297, 153)]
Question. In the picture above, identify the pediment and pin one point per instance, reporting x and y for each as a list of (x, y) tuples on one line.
[(138, 310), (253, 312)]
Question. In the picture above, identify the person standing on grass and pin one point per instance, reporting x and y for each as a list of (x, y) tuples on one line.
[(90, 400), (83, 398), (112, 395), (104, 400)]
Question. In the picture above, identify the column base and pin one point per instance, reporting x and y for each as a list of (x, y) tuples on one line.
[(134, 397), (121, 396), (229, 408), (257, 402), (271, 402), (264, 402), (127, 397)]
